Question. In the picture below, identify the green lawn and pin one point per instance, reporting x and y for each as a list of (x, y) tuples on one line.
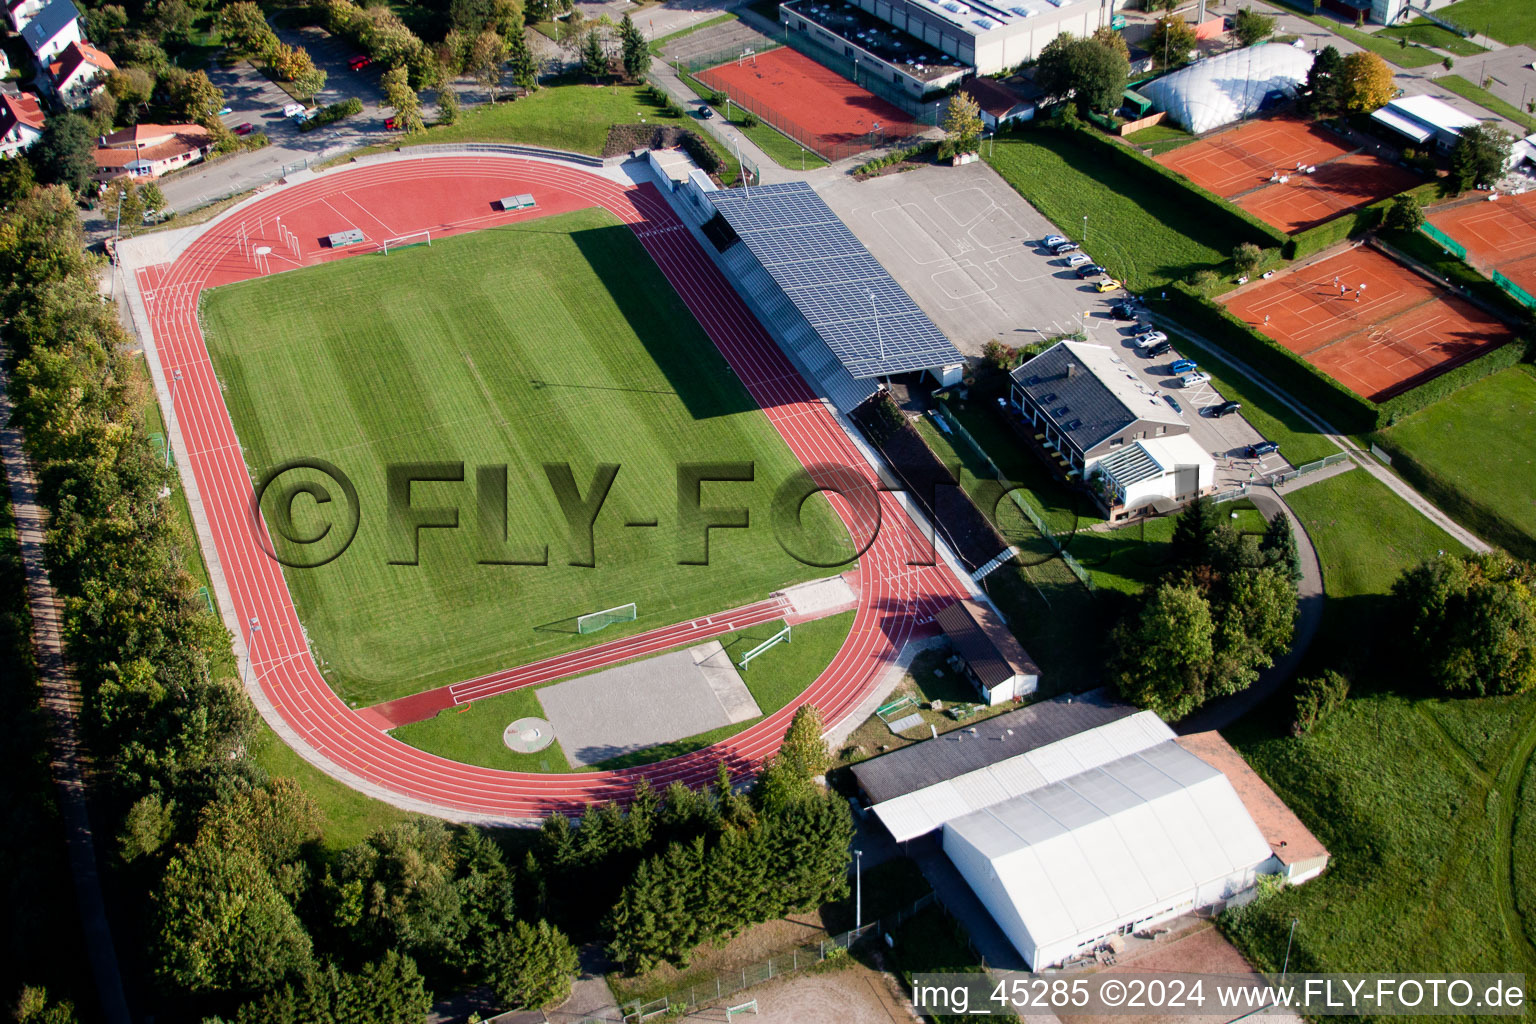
[(473, 734), (1483, 98), (1364, 534), (561, 343), (1414, 797), (1135, 227), (1420, 828), (574, 117), (1493, 492), (1161, 138), (1509, 21), (1410, 57), (1427, 33)]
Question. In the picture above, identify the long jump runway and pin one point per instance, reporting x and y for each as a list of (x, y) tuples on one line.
[(449, 195)]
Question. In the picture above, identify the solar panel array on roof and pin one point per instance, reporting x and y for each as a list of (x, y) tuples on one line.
[(868, 321)]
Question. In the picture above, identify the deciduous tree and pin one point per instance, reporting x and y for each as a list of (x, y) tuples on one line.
[(1173, 40), (962, 121), (1470, 623), (1246, 257), (1161, 655), (486, 58), (1365, 82), (1250, 26), (1091, 71), (64, 153)]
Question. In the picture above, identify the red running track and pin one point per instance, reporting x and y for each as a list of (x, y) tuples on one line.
[(455, 194)]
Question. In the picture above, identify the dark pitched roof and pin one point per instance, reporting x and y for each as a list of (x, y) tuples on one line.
[(985, 642), (992, 96), (49, 21), (956, 753), (1090, 394)]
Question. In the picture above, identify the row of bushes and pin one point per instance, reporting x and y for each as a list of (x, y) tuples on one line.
[(333, 113), (1345, 410), (898, 156), (1349, 225), (1204, 202)]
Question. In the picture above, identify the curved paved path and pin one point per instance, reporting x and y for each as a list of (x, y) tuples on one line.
[(456, 194)]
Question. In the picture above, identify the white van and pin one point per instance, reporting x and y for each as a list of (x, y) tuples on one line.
[(292, 109)]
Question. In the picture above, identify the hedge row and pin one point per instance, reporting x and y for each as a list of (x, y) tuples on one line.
[(1245, 224), (1349, 225), (1345, 410), (1450, 382), (1483, 521), (333, 113)]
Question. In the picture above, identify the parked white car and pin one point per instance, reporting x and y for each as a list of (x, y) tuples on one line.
[(1147, 339), (1190, 380), (1079, 259)]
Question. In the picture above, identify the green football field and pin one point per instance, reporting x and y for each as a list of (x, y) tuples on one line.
[(551, 341)]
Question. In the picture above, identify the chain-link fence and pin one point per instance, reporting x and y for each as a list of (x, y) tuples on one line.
[(728, 983), (1082, 574)]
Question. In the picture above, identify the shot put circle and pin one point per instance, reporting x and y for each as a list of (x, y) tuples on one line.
[(527, 735)]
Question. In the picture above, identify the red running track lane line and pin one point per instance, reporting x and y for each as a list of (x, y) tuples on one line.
[(449, 195), (426, 704)]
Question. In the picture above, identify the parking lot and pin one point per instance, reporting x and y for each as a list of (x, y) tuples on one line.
[(967, 248), (1226, 438)]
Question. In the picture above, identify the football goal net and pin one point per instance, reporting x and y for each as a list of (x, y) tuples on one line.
[(406, 241), (594, 621)]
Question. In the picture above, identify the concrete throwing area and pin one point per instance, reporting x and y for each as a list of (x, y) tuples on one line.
[(655, 700), (966, 247)]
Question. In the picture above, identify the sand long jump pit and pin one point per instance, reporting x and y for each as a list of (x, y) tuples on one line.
[(656, 700)]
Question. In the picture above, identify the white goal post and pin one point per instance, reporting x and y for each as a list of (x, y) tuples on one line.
[(400, 242), (594, 621)]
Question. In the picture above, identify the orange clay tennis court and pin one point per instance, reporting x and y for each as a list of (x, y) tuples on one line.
[(1242, 165), (1395, 334), (831, 115), (1500, 235)]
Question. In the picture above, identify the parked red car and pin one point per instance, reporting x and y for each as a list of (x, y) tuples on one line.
[(244, 129), (359, 62), (390, 124)]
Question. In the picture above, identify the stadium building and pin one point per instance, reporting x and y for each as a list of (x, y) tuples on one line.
[(830, 305), (1081, 819), (926, 45)]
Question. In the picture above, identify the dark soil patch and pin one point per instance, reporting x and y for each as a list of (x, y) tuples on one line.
[(626, 138)]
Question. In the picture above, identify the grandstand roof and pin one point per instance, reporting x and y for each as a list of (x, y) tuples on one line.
[(868, 321)]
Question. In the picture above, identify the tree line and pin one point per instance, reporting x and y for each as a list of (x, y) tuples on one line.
[(243, 916)]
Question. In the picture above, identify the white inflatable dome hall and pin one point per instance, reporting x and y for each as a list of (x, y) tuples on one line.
[(1222, 89)]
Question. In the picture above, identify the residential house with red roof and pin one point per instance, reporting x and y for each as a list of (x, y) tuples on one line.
[(78, 72), (21, 122)]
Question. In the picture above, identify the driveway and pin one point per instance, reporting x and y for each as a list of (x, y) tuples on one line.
[(1225, 438)]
